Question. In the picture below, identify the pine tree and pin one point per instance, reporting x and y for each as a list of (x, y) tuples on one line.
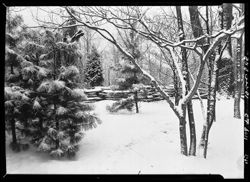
[(64, 114), (44, 81), (93, 70), (35, 71), (131, 78), (16, 97)]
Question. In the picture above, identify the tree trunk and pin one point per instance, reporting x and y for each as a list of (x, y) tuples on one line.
[(109, 83), (136, 101), (14, 145), (149, 64), (160, 68), (192, 147), (211, 100), (57, 124), (176, 88), (195, 22), (13, 131), (227, 22), (202, 141), (41, 125), (197, 32), (183, 135), (238, 78), (11, 69), (54, 99), (226, 18)]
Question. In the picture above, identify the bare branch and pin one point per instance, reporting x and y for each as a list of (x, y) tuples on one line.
[(161, 42), (199, 96)]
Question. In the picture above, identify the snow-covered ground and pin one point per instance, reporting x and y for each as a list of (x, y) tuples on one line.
[(145, 143)]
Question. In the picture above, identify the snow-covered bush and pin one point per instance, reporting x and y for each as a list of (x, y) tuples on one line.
[(127, 103)]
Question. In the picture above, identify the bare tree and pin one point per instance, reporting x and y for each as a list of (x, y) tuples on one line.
[(225, 79), (192, 149), (176, 81), (238, 74), (120, 17), (212, 66), (198, 31), (108, 15)]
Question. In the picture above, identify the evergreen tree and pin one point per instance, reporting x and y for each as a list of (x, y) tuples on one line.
[(35, 71), (130, 72), (131, 76), (93, 70), (44, 81), (16, 97), (64, 112)]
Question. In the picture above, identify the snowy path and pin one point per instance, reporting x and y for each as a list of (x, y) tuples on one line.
[(148, 142)]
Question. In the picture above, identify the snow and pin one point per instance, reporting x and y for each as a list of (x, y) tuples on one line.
[(220, 9), (102, 88), (61, 110), (92, 90), (36, 105), (226, 55), (147, 142), (116, 91)]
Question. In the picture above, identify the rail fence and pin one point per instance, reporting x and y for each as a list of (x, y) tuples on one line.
[(147, 94)]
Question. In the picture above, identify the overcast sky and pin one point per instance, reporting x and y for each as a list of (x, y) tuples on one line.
[(29, 11)]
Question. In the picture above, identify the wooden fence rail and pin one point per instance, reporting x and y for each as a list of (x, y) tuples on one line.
[(147, 94)]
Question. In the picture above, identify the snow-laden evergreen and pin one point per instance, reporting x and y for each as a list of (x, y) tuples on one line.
[(93, 70), (43, 80), (67, 113)]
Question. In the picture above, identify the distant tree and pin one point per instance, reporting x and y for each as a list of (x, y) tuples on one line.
[(130, 82), (93, 70), (131, 76)]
